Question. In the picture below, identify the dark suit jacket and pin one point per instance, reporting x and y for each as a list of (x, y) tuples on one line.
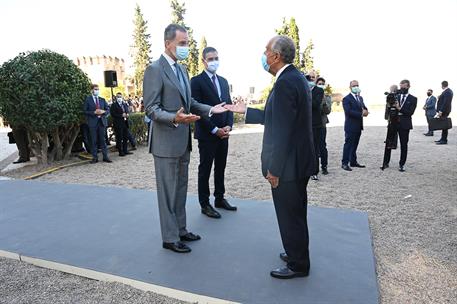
[(116, 112), (444, 102), (287, 149), (203, 91), (317, 97), (407, 110), (430, 106), (89, 109), (353, 113)]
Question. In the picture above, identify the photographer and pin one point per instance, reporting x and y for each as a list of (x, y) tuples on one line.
[(399, 110)]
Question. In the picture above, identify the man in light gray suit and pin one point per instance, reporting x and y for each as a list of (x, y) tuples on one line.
[(430, 109), (168, 102)]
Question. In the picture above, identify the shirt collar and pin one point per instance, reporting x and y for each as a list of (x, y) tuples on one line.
[(210, 75), (281, 70), (355, 95), (170, 60)]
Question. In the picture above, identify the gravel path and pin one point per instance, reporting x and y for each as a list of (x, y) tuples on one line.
[(413, 216)]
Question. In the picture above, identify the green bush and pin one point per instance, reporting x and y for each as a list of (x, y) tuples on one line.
[(138, 128), (44, 92)]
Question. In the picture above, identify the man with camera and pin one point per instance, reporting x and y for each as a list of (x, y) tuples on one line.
[(403, 107)]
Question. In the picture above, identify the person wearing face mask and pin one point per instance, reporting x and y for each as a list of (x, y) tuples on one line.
[(168, 102), (354, 112), (288, 158), (212, 133), (430, 110), (96, 109), (326, 108), (120, 112), (443, 109), (406, 105), (317, 95)]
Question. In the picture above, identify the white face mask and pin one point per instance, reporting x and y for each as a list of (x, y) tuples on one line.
[(213, 66), (119, 100), (322, 86)]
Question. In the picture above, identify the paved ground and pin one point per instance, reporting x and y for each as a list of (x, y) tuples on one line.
[(413, 216)]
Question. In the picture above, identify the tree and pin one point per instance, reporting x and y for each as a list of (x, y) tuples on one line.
[(140, 50), (44, 92), (291, 30), (177, 16), (307, 61), (203, 45)]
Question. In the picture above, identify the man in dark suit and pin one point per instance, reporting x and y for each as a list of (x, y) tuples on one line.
[(288, 158), (443, 109), (354, 112), (212, 133), (406, 107), (317, 95), (120, 112), (430, 110), (96, 110)]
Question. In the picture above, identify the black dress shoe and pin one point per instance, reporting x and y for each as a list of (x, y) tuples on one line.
[(223, 203), (190, 237), (428, 134), (324, 171), (94, 160), (121, 154), (401, 169), (283, 256), (128, 153), (314, 177), (357, 165), (438, 140), (19, 161), (107, 160), (441, 142), (287, 273), (209, 211), (384, 166), (346, 167), (177, 247)]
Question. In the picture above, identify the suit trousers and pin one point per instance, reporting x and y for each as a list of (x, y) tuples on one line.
[(351, 142), (291, 205), (403, 134), (120, 128), (97, 137), (428, 122), (317, 142), (212, 151), (323, 148), (171, 178)]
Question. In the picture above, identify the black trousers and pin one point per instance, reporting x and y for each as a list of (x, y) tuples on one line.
[(351, 142), (212, 151), (323, 153), (22, 142), (97, 137), (291, 205), (317, 143), (403, 134), (428, 123), (121, 131)]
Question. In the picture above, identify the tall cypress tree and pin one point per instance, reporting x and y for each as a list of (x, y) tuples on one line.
[(140, 50), (177, 16), (203, 45), (290, 29), (307, 60)]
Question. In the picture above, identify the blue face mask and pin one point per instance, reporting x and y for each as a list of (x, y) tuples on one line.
[(96, 92), (265, 65), (311, 84), (355, 90), (182, 52)]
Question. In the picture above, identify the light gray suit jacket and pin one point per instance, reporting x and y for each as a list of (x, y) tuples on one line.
[(163, 96)]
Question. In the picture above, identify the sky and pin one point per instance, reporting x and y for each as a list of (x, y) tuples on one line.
[(378, 43)]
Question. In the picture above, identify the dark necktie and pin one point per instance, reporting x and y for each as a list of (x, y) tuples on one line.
[(402, 100), (97, 104), (180, 77), (214, 84)]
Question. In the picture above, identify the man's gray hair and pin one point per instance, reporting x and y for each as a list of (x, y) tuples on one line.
[(170, 31), (285, 47)]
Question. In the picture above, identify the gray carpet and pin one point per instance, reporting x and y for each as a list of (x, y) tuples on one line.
[(116, 231)]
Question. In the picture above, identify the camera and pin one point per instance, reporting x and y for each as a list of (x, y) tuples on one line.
[(391, 100)]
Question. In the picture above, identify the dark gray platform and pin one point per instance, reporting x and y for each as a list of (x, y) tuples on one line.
[(117, 231)]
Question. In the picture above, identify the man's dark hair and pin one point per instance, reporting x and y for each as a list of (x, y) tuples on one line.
[(170, 31), (430, 90), (405, 81), (445, 84), (118, 93), (320, 79), (207, 50), (93, 86)]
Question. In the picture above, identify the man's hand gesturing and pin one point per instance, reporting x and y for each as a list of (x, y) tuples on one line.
[(183, 118)]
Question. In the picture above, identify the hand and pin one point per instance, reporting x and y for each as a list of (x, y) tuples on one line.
[(183, 118), (222, 133), (273, 180), (124, 115), (227, 128), (365, 113), (99, 112), (219, 109), (239, 107), (397, 106)]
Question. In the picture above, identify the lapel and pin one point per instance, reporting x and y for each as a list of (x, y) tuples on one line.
[(210, 84), (172, 76), (357, 103)]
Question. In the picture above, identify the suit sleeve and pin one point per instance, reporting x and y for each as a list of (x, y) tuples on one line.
[(255, 116), (87, 110), (197, 94), (317, 99), (446, 98), (409, 108), (430, 103), (283, 114), (152, 97), (349, 111), (106, 107), (114, 111)]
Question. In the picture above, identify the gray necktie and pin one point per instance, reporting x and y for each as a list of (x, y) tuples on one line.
[(180, 77)]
